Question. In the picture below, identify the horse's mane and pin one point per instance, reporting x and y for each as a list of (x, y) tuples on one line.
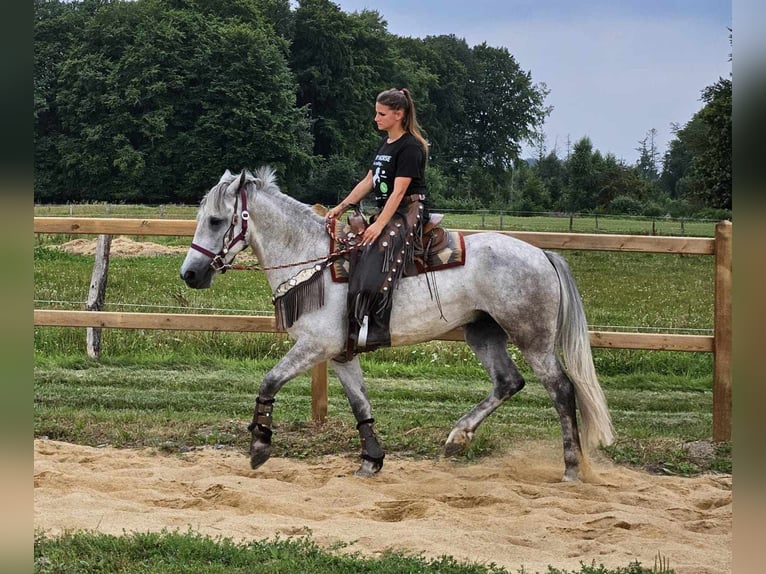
[(265, 180)]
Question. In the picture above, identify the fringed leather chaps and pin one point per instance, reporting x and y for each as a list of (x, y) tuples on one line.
[(375, 273)]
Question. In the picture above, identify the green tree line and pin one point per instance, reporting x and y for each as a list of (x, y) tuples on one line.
[(149, 101)]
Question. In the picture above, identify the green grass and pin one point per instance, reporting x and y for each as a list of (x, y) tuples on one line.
[(174, 406), (176, 553)]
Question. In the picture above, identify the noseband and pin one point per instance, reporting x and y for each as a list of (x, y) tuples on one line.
[(218, 260)]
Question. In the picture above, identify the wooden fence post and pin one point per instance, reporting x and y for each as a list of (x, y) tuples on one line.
[(722, 337), (97, 293), (319, 392)]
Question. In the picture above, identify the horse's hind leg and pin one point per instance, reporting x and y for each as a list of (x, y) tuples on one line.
[(552, 376), (351, 377), (490, 343)]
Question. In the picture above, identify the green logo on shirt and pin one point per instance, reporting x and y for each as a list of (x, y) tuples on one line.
[(383, 187)]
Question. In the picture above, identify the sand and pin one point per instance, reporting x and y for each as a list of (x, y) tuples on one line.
[(510, 510), (123, 246)]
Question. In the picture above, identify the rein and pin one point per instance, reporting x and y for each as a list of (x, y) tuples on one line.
[(218, 260), (302, 292)]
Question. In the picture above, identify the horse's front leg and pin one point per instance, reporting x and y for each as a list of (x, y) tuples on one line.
[(300, 358), (351, 377)]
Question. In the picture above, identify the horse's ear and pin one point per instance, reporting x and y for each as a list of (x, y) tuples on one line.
[(225, 177)]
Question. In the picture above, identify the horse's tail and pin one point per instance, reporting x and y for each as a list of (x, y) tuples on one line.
[(573, 340)]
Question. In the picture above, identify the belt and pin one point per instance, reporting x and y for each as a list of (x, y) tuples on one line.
[(415, 197)]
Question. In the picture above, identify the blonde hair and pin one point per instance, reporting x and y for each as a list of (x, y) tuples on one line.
[(401, 99)]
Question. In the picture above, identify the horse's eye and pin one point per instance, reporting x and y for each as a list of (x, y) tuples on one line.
[(215, 221)]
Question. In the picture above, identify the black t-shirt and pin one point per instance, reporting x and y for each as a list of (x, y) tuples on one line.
[(402, 158)]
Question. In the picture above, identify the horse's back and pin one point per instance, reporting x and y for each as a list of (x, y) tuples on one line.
[(509, 279), (493, 249)]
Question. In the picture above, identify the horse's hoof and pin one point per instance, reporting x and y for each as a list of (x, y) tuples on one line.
[(571, 477), (454, 449), (259, 453), (457, 442), (368, 469)]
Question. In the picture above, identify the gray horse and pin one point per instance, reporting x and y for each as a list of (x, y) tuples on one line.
[(507, 291)]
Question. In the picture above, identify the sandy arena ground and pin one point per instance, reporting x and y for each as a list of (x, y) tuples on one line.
[(511, 510)]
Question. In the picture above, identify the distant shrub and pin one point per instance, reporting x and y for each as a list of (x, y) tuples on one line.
[(678, 208), (625, 205), (714, 214), (653, 209)]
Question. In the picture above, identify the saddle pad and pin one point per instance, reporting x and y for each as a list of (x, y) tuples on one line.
[(453, 255)]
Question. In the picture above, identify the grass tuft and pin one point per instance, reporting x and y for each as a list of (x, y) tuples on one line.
[(176, 552)]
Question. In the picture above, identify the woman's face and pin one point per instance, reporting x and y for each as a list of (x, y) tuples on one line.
[(387, 117)]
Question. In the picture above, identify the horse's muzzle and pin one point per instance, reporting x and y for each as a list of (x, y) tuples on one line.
[(197, 280)]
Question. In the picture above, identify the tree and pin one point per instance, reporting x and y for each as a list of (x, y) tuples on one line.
[(529, 192), (714, 163), (582, 177), (504, 106), (57, 29), (677, 159), (552, 172), (648, 160), (334, 56), (616, 179), (452, 62), (697, 165), (156, 98)]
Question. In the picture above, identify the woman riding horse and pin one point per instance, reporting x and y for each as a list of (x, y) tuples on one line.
[(397, 177)]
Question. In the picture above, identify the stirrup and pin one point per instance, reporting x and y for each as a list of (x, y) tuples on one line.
[(361, 340)]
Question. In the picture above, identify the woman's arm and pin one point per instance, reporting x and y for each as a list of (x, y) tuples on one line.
[(359, 192)]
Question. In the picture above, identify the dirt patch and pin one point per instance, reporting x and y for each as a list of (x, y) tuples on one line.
[(122, 246), (511, 510)]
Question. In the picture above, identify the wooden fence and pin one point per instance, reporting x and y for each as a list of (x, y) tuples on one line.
[(720, 343)]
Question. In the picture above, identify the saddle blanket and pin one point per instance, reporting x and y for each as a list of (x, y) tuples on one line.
[(451, 255)]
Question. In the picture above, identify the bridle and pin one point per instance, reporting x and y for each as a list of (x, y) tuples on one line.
[(218, 260)]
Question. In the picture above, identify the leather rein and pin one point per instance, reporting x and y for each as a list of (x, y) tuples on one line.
[(218, 260)]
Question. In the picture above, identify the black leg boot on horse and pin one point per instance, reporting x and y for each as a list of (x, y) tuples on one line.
[(372, 453), (260, 428)]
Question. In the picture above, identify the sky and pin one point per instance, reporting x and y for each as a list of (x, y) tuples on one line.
[(615, 68)]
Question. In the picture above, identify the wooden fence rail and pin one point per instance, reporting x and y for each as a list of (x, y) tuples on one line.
[(719, 344)]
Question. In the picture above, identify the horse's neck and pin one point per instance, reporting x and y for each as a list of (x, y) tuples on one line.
[(283, 234)]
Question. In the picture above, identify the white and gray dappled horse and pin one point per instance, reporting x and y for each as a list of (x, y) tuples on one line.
[(508, 290)]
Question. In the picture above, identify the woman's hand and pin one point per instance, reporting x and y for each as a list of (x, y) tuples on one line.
[(372, 232), (336, 211)]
